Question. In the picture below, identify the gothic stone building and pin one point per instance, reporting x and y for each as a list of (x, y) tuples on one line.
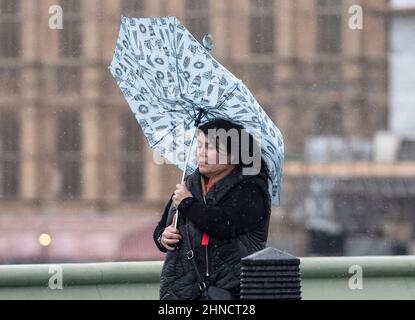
[(70, 147)]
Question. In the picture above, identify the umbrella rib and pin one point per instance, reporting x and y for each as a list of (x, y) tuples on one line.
[(175, 54), (219, 115), (182, 110), (192, 104), (177, 72), (219, 104), (167, 133)]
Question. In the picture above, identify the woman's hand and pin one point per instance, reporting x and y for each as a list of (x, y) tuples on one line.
[(180, 193), (170, 236)]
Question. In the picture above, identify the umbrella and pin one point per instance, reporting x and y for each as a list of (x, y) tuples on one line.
[(172, 84)]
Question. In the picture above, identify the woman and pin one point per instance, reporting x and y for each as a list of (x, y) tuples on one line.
[(223, 217)]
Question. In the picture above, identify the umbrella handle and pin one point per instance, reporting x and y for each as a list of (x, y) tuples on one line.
[(197, 122)]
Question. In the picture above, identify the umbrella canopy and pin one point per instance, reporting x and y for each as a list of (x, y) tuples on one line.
[(172, 83)]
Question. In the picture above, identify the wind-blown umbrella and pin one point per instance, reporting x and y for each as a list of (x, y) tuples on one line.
[(172, 84)]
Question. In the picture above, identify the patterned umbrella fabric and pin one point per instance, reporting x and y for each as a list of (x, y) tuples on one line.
[(168, 79)]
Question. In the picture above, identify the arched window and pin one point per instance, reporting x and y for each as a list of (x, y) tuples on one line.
[(132, 158), (9, 154), (70, 37), (69, 154), (329, 19), (262, 30), (68, 73), (197, 18), (10, 30), (133, 8), (329, 121)]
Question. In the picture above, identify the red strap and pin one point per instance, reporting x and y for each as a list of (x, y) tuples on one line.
[(205, 236), (209, 185), (205, 239)]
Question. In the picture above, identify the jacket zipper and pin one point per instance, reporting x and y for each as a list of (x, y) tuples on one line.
[(206, 250)]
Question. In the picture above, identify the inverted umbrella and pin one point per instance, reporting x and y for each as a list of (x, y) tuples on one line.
[(172, 84)]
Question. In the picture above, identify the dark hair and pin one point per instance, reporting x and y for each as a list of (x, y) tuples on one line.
[(251, 148)]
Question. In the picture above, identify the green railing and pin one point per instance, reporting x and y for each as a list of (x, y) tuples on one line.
[(322, 278)]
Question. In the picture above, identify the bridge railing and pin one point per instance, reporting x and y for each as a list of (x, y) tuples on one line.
[(390, 277)]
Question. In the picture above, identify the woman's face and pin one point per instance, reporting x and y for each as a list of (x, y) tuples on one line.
[(210, 161)]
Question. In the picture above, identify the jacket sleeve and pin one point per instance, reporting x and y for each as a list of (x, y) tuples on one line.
[(161, 226), (242, 210)]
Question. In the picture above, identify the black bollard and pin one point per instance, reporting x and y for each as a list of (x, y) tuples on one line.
[(271, 274)]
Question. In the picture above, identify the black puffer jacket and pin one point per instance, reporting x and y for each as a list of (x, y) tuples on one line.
[(235, 213)]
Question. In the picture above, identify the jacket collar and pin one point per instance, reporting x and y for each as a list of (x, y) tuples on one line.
[(220, 188)]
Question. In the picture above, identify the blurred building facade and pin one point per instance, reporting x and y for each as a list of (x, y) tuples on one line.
[(402, 77), (70, 146)]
